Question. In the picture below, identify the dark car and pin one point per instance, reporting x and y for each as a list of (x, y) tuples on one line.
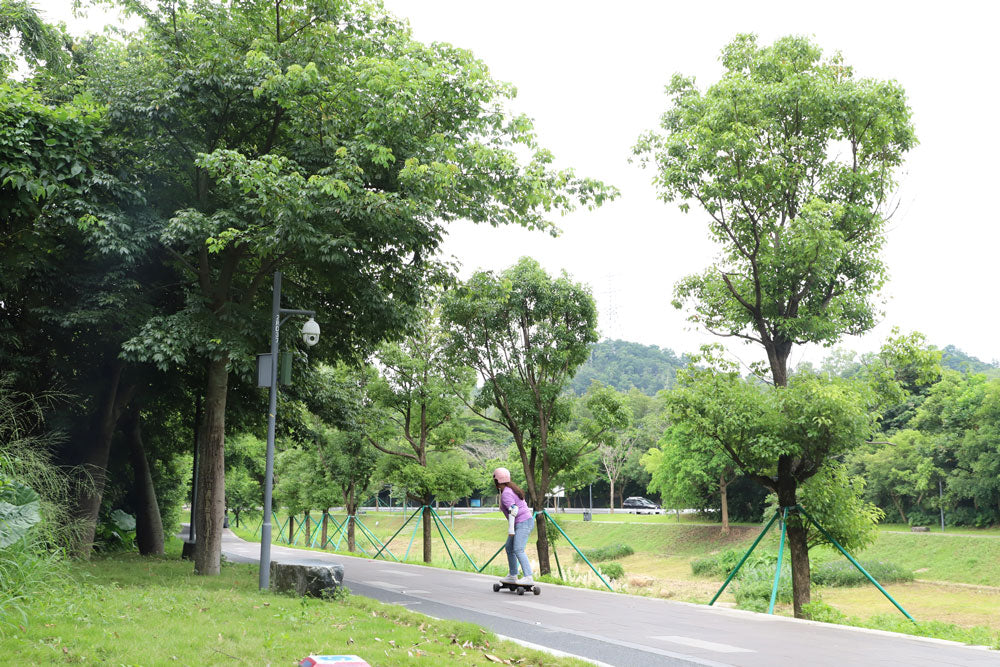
[(640, 505)]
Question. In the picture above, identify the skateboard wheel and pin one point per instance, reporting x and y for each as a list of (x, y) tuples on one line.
[(520, 591), (496, 588), (536, 590)]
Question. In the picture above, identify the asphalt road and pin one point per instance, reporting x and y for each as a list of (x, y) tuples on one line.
[(624, 630)]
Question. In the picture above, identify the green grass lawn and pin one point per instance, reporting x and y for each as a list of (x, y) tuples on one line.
[(129, 610)]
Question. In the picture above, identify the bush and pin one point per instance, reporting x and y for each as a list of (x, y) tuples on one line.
[(720, 565), (610, 552), (843, 573), (34, 524), (754, 583), (612, 570)]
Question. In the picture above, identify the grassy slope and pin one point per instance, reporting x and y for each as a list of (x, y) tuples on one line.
[(130, 610)]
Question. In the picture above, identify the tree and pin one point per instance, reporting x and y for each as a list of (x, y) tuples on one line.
[(40, 44), (960, 419), (525, 333), (792, 159), (901, 471), (317, 138), (686, 468), (421, 393)]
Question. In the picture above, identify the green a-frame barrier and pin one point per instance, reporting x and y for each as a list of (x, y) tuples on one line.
[(782, 513), (382, 547)]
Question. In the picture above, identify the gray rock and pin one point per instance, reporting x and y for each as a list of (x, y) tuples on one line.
[(919, 529), (313, 580)]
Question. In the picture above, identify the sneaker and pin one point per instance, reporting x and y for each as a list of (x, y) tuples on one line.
[(509, 579), (525, 581)]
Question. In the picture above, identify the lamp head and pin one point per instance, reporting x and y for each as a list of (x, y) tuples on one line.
[(310, 332)]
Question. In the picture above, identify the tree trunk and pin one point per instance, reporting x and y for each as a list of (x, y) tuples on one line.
[(725, 504), (611, 510), (323, 534), (211, 471), (148, 524), (899, 506), (95, 460), (427, 533), (542, 544), (291, 528), (308, 529), (796, 533), (350, 534)]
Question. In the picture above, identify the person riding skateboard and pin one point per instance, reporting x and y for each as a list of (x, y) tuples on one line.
[(519, 525)]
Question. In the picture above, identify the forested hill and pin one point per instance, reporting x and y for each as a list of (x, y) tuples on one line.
[(623, 365), (954, 358)]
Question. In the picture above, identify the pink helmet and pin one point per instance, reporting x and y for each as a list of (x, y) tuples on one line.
[(501, 475)]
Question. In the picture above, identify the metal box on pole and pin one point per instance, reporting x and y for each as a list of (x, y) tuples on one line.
[(264, 370)]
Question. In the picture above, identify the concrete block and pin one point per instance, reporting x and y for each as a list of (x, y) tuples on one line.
[(312, 580)]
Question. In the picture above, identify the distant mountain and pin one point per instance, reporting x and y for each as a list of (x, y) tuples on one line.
[(955, 359), (623, 365)]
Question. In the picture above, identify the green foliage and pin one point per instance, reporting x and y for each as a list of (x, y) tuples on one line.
[(38, 43), (799, 220), (957, 360), (612, 570), (625, 365), (609, 552), (115, 532), (754, 583), (34, 493), (19, 510), (525, 333), (721, 564), (841, 572), (835, 500), (976, 636)]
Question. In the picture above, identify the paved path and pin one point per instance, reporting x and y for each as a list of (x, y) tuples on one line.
[(625, 630)]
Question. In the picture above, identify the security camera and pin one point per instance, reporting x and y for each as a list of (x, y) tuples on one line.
[(310, 332)]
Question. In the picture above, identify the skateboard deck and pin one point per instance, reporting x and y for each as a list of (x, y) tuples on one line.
[(517, 588)]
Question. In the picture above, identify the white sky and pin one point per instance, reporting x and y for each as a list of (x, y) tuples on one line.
[(591, 75)]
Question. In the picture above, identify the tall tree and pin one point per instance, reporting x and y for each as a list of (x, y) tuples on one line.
[(686, 469), (525, 333), (422, 393), (317, 138), (792, 158)]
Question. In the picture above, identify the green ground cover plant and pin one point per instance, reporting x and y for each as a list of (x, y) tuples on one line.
[(609, 552), (126, 609), (612, 570), (843, 573), (977, 636)]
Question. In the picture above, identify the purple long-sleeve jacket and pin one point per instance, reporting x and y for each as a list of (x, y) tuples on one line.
[(508, 498)]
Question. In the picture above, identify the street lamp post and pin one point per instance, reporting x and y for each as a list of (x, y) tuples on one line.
[(310, 335)]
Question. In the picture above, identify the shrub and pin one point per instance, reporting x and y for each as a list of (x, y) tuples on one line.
[(34, 521), (612, 570), (843, 573), (610, 552), (720, 565), (754, 583)]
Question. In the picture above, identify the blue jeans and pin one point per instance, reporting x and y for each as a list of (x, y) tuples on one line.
[(515, 548)]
